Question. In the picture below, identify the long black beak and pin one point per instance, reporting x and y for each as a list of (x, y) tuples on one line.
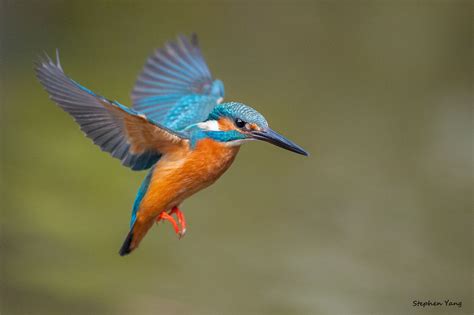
[(275, 138)]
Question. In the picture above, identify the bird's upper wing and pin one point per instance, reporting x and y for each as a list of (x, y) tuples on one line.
[(176, 79), (128, 136)]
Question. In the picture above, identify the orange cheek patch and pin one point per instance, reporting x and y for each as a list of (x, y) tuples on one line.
[(254, 127), (226, 124)]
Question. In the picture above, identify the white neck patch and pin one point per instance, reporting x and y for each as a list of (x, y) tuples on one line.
[(211, 125)]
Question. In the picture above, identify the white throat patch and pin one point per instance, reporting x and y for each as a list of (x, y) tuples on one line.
[(211, 125), (234, 143)]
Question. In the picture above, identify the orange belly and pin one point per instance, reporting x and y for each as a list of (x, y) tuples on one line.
[(180, 174)]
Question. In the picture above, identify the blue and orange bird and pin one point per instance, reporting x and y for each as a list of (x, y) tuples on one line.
[(178, 128)]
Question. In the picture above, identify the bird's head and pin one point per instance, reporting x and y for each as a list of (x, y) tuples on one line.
[(235, 123)]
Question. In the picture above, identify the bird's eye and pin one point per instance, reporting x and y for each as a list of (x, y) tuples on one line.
[(240, 123)]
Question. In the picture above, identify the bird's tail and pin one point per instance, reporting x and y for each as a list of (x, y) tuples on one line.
[(126, 246), (134, 237)]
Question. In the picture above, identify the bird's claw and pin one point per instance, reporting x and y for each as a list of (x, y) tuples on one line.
[(181, 234), (179, 230), (181, 221)]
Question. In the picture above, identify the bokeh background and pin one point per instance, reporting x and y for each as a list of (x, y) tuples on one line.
[(379, 215)]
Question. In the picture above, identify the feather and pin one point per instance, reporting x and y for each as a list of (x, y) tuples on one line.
[(128, 136), (176, 79)]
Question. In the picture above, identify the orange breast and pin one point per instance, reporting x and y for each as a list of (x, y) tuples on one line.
[(184, 172)]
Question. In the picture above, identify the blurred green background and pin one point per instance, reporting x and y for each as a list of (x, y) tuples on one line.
[(379, 215)]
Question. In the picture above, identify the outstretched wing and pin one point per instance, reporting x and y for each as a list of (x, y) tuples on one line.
[(128, 136), (169, 78)]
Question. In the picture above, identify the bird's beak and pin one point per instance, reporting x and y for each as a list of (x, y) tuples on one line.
[(275, 138)]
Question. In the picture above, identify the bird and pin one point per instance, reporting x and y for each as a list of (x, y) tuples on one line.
[(178, 128)]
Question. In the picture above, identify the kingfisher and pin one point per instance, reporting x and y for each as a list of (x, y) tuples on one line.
[(178, 128)]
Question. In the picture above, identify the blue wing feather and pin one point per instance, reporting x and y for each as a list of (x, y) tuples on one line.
[(176, 78), (105, 121), (188, 110)]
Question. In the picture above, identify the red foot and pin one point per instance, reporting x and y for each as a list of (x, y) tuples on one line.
[(165, 216), (181, 220)]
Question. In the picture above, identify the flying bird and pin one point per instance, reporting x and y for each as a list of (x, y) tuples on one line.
[(178, 128)]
